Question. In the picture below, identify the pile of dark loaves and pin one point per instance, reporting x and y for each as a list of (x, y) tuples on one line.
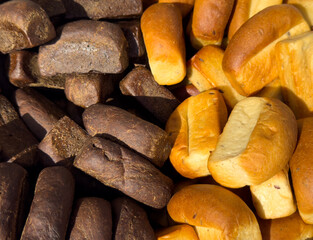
[(107, 132)]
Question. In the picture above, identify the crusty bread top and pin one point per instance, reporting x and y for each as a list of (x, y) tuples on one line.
[(259, 31), (214, 207)]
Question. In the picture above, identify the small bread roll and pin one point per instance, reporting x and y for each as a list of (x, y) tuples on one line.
[(273, 198), (244, 10), (249, 61), (257, 142), (302, 172), (291, 228), (306, 8), (204, 71), (185, 6), (161, 26), (209, 20), (215, 212), (294, 57), (178, 232), (194, 128)]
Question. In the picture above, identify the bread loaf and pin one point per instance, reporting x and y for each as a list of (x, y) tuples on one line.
[(257, 142), (161, 26), (178, 232), (194, 128), (305, 6)]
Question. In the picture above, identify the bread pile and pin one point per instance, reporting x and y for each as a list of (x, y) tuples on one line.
[(146, 119)]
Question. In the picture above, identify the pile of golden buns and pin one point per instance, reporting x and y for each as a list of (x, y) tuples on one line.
[(250, 124)]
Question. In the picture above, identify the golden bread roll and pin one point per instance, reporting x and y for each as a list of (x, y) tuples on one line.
[(185, 6), (204, 71), (273, 198), (208, 22), (294, 57), (271, 90), (257, 142), (306, 8), (177, 232), (302, 171), (215, 212), (161, 26), (249, 61), (244, 10), (291, 228), (194, 128)]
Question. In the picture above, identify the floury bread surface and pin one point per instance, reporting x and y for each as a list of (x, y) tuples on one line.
[(194, 128), (249, 61), (215, 212), (257, 142)]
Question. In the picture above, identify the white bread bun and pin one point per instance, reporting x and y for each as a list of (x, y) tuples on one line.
[(215, 212), (257, 142), (194, 128), (274, 198)]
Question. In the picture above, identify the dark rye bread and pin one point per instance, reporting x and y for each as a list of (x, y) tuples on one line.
[(125, 170), (130, 221), (51, 207), (13, 189), (91, 219), (139, 135)]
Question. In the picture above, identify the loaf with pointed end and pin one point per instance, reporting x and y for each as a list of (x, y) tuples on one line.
[(245, 9), (178, 232), (131, 220), (215, 212), (157, 99), (301, 172), (52, 204), (91, 219), (123, 169), (209, 20), (249, 61), (162, 30), (38, 112), (136, 133), (257, 142), (109, 9), (194, 128), (13, 188), (23, 24), (85, 46), (274, 198)]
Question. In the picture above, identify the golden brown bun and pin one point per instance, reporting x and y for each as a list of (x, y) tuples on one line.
[(249, 61), (194, 128), (302, 172), (204, 71), (209, 20), (244, 10), (291, 228), (178, 232), (272, 90), (294, 57), (185, 6), (257, 142), (306, 8), (215, 212), (162, 30), (273, 198)]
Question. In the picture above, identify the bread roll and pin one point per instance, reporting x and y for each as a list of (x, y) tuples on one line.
[(204, 71), (306, 8), (274, 198), (244, 10), (301, 171), (215, 212), (178, 232), (249, 61), (161, 26), (257, 142), (185, 6), (209, 20), (194, 128), (291, 228), (272, 90), (295, 57)]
